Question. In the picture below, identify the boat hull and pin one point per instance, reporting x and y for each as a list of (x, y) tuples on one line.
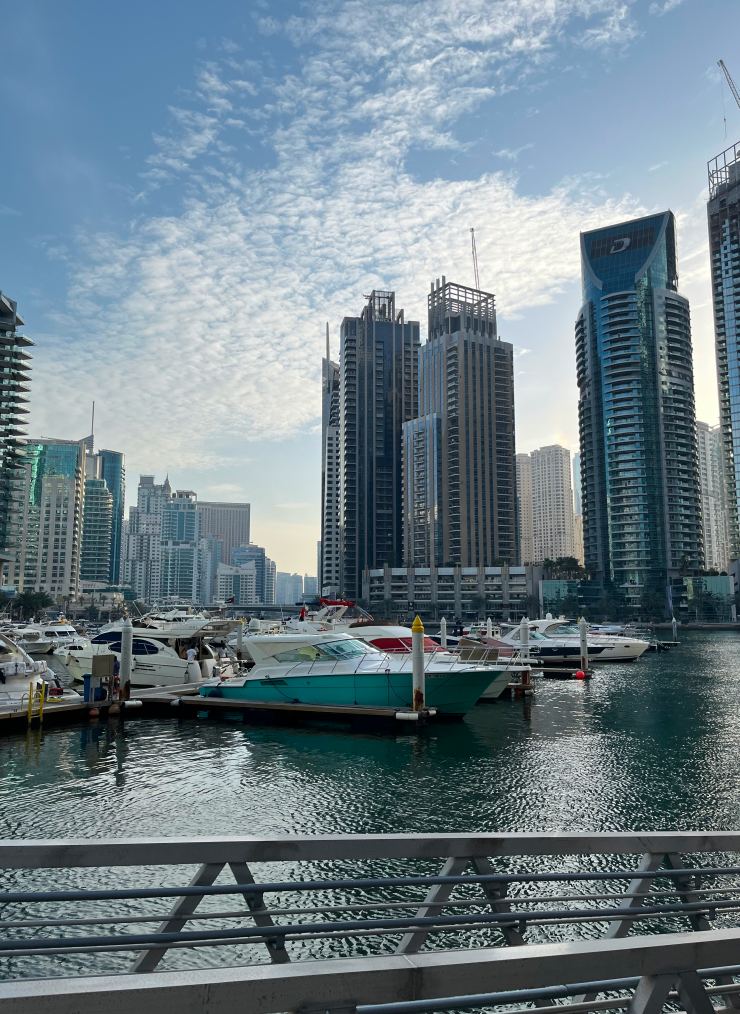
[(450, 693)]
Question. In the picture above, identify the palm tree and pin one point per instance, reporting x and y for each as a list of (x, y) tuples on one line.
[(30, 603)]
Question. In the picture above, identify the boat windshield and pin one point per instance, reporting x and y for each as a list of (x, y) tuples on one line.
[(534, 635), (557, 631), (333, 651)]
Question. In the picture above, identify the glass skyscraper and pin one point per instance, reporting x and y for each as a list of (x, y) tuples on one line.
[(114, 473), (639, 468), (724, 247)]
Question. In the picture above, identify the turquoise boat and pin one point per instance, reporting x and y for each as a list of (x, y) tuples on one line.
[(338, 669)]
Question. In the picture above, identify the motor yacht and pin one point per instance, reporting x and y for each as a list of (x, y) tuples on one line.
[(331, 667), (20, 675), (157, 661), (29, 638), (559, 641)]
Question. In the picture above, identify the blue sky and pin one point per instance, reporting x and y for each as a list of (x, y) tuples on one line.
[(190, 191)]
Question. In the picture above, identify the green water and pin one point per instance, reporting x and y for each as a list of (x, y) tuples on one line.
[(647, 746)]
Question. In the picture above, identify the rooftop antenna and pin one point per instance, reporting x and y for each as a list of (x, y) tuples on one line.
[(92, 424), (475, 259), (327, 340)]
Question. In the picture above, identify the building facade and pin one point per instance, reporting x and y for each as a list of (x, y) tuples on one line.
[(524, 507), (639, 465), (552, 504), (113, 471), (713, 497), (288, 588), (210, 555), (459, 467), (14, 391), (142, 545), (330, 546), (50, 522), (724, 249), (179, 548), (578, 539), (97, 525), (265, 570), (577, 509), (227, 522), (503, 593), (237, 585), (379, 358)]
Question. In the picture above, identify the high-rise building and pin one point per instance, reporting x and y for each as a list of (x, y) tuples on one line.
[(15, 387), (330, 546), (577, 484), (459, 469), (51, 517), (378, 392), (210, 555), (265, 570), (113, 469), (713, 497), (97, 526), (288, 588), (524, 507), (141, 558), (724, 244), (310, 587), (237, 585), (639, 470), (552, 503), (578, 538), (227, 522), (179, 543)]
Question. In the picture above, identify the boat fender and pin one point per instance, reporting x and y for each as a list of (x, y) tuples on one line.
[(407, 716), (215, 692), (93, 713), (580, 675)]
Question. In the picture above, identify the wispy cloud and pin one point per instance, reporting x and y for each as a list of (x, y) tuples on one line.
[(512, 154), (658, 165), (664, 8), (5, 210), (206, 325)]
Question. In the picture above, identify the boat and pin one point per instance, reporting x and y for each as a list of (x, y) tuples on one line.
[(21, 675), (336, 668), (559, 641), (158, 660), (29, 638)]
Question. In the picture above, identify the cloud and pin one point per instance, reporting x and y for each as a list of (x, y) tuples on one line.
[(203, 325), (512, 154), (660, 9), (658, 165), (5, 210)]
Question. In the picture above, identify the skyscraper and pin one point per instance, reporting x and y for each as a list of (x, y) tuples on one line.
[(524, 507), (113, 471), (577, 484), (713, 497), (552, 504), (639, 470), (142, 547), (724, 240), (265, 570), (459, 470), (331, 478), (179, 541), (379, 358), (97, 525), (226, 522), (15, 387), (51, 517)]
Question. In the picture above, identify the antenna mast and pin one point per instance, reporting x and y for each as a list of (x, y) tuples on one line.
[(475, 255), (731, 83)]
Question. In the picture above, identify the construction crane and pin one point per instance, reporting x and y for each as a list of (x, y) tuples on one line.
[(475, 258), (731, 83)]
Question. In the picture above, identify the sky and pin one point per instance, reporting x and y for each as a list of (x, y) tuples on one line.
[(191, 191)]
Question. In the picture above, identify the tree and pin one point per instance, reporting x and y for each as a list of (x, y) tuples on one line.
[(478, 603), (653, 605), (531, 606), (30, 603)]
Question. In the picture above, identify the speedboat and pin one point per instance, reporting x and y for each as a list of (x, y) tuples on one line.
[(335, 668), (20, 675)]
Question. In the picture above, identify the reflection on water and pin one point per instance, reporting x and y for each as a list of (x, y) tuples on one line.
[(647, 745)]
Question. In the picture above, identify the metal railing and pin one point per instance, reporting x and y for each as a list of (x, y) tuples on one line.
[(347, 921)]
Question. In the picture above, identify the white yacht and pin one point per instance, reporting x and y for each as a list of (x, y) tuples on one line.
[(19, 673), (559, 641), (156, 661), (29, 638)]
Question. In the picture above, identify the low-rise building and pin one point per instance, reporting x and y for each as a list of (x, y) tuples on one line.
[(503, 593)]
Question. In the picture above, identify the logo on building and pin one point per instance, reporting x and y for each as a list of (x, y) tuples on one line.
[(619, 245)]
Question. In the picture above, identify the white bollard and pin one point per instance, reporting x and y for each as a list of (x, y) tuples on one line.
[(443, 632), (417, 663), (239, 639), (489, 627), (127, 651), (524, 637), (674, 628), (583, 631)]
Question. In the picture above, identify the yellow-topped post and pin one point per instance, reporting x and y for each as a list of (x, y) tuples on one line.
[(417, 663)]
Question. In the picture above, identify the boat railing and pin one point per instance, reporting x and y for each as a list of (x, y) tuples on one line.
[(348, 923)]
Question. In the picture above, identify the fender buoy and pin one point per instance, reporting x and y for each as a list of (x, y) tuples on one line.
[(580, 675), (93, 713)]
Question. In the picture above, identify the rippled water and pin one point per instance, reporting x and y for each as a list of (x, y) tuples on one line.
[(651, 745)]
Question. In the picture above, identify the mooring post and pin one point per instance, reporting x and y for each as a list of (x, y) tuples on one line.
[(674, 628), (583, 631), (443, 632), (127, 652), (489, 627), (417, 663), (239, 640), (524, 638)]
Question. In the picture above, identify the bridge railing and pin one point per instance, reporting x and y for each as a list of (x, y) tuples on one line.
[(375, 915)]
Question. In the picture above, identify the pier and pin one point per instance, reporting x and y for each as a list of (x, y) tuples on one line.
[(450, 921)]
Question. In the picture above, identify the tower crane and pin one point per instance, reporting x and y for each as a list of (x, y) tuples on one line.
[(475, 255), (731, 83)]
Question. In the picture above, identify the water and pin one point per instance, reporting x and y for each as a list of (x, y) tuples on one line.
[(646, 746), (649, 745)]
